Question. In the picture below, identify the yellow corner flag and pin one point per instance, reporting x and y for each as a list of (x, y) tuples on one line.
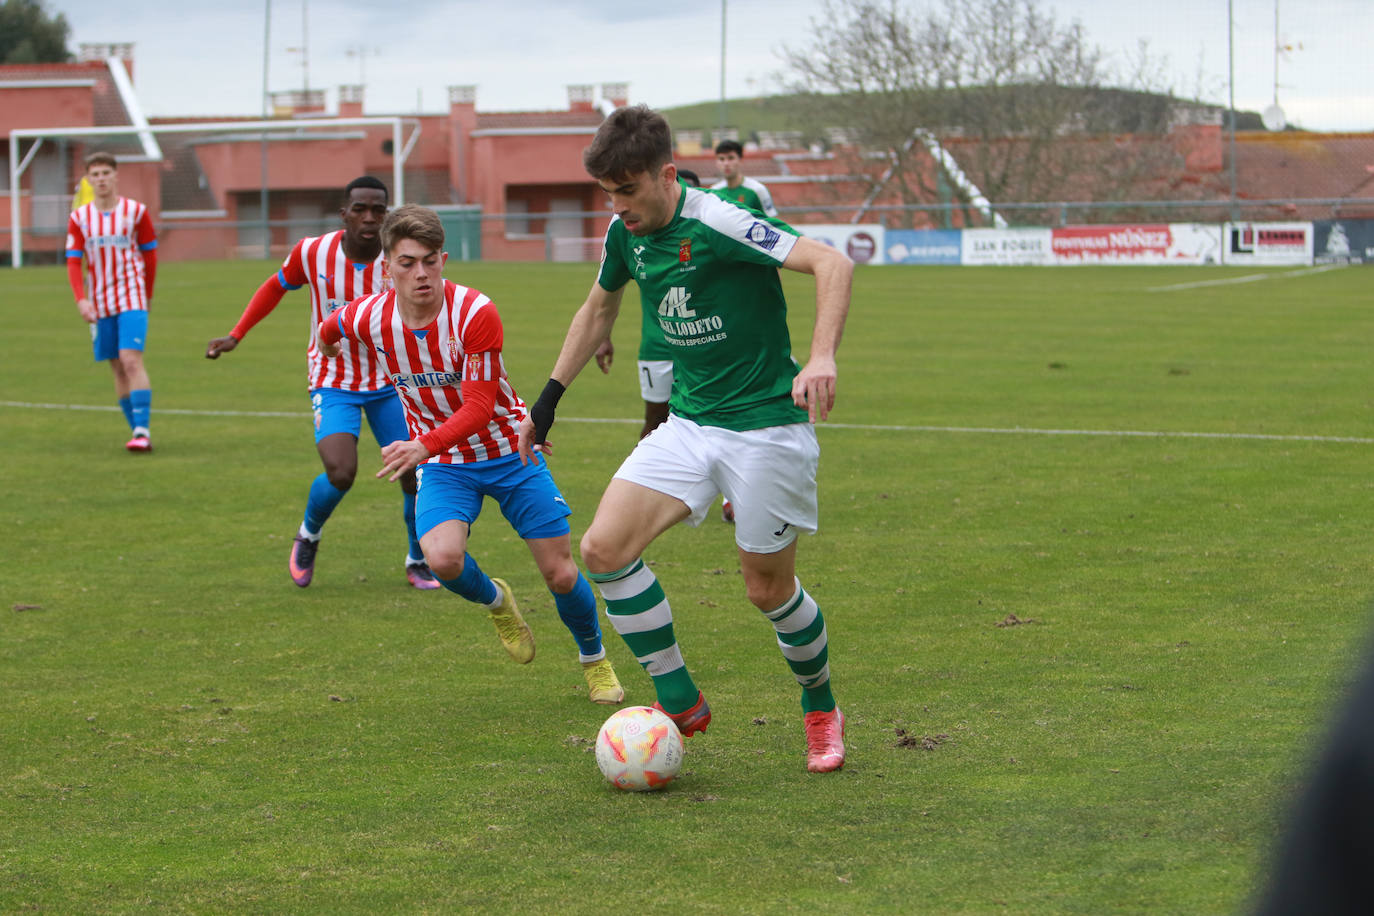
[(84, 193)]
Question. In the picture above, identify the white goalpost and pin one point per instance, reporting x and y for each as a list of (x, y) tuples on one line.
[(145, 137)]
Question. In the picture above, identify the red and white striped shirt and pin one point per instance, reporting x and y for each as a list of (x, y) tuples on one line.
[(429, 365), (335, 281), (113, 244)]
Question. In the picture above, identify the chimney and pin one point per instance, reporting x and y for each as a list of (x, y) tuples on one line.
[(292, 103), (102, 51), (351, 101), (465, 96), (462, 118), (618, 94), (580, 97)]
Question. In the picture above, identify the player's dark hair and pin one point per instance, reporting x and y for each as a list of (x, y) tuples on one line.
[(100, 157), (365, 181), (689, 176), (632, 140), (411, 221), (730, 146)]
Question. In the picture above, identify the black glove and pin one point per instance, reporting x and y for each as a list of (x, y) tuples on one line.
[(541, 412)]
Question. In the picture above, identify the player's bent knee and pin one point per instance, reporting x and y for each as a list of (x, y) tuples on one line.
[(599, 556), (446, 564), (767, 592), (561, 578), (341, 478)]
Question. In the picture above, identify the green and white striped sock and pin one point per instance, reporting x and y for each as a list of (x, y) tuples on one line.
[(801, 637), (639, 612)]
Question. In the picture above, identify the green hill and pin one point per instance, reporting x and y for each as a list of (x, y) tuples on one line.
[(749, 116)]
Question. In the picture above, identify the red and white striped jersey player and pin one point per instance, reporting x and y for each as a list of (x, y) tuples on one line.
[(338, 267), (441, 344), (115, 234)]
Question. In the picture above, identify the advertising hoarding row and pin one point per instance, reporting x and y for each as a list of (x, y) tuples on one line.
[(1242, 244)]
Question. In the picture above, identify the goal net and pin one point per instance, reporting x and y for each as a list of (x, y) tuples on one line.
[(216, 189)]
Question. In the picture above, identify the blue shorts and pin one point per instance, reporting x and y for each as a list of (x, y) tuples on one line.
[(342, 412), (125, 331), (526, 493)]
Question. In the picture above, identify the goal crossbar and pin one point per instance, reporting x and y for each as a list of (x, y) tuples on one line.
[(18, 165)]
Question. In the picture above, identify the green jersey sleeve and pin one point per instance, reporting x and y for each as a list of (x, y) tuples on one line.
[(740, 234), (615, 269)]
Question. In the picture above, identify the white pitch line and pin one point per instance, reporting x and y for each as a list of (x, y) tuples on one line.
[(874, 427), (1247, 278), (172, 410)]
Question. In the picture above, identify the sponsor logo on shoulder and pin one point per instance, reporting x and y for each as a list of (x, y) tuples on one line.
[(763, 235)]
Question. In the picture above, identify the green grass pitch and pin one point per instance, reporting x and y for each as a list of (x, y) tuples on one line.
[(1094, 556)]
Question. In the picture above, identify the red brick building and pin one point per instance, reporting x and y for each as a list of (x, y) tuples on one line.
[(509, 185)]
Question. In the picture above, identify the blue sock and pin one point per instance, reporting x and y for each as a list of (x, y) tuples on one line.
[(324, 496), (472, 583), (409, 511), (577, 609), (140, 406), (127, 406)]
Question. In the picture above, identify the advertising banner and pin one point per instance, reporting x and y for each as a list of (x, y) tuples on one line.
[(1341, 241), (1267, 244), (923, 246), (1005, 246), (863, 244), (1155, 243)]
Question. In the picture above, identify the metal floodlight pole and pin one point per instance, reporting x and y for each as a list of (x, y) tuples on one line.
[(1231, 82), (266, 112), (723, 105)]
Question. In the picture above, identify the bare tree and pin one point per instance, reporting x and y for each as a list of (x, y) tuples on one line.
[(990, 96)]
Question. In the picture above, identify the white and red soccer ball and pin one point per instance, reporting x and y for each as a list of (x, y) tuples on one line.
[(639, 749)]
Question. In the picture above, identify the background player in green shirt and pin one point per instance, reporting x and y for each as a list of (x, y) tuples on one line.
[(734, 186), (741, 411)]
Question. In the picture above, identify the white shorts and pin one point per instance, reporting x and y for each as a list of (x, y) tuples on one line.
[(768, 474), (656, 380)]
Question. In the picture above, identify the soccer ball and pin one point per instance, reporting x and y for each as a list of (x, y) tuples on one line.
[(639, 749)]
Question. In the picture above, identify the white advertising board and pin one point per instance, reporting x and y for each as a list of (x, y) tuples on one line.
[(1143, 243), (1273, 244), (864, 244), (1006, 246)]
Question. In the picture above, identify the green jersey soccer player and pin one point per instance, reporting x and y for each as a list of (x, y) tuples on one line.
[(741, 411)]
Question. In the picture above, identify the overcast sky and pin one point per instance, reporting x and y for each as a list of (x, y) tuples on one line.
[(205, 57)]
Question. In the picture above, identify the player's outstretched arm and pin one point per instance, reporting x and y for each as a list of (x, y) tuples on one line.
[(220, 345), (814, 386), (590, 327), (259, 307)]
